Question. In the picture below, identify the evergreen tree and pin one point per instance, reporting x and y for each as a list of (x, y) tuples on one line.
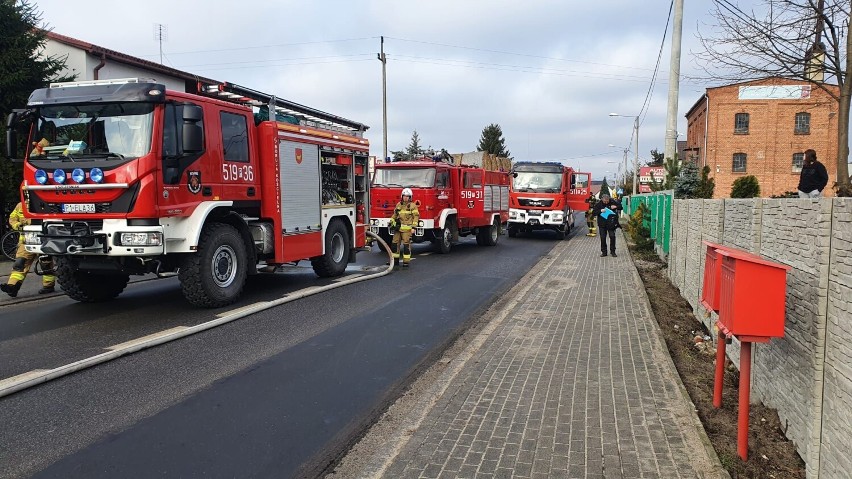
[(686, 185), (706, 185), (412, 151), (657, 158), (492, 141), (672, 166), (605, 188), (745, 187), (22, 70)]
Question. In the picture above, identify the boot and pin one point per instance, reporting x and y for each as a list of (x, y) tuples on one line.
[(11, 289), (46, 290)]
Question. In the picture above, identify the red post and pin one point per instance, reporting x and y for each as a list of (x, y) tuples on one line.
[(745, 383), (720, 370)]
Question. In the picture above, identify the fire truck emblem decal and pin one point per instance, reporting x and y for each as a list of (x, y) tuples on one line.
[(194, 182), (298, 156)]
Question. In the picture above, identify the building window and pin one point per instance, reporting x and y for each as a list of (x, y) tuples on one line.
[(798, 161), (739, 163), (741, 124), (803, 124)]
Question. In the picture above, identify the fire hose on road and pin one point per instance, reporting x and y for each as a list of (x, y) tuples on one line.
[(33, 378)]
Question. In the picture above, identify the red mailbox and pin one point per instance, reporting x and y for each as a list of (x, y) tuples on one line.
[(749, 294), (752, 295), (712, 277), (710, 292)]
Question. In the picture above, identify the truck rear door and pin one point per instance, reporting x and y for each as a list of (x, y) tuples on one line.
[(580, 187)]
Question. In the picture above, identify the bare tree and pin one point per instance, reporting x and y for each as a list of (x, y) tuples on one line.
[(805, 40)]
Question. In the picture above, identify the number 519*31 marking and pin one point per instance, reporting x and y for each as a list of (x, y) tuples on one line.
[(232, 172)]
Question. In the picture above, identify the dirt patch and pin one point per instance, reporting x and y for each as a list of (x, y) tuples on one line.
[(771, 455)]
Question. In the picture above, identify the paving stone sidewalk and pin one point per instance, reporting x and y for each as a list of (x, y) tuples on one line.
[(571, 379)]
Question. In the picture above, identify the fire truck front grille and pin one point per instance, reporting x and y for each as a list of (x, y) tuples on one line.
[(535, 202), (73, 227)]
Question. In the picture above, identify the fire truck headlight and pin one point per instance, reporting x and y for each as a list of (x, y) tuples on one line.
[(31, 238), (420, 224), (59, 175), (78, 175), (558, 216), (41, 177), (96, 175), (141, 239)]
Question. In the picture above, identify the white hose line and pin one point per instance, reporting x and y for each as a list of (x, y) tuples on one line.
[(36, 377)]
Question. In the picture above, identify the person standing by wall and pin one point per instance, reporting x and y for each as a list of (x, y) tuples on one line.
[(813, 178), (606, 211)]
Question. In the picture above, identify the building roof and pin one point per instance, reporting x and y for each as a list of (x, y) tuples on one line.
[(107, 53)]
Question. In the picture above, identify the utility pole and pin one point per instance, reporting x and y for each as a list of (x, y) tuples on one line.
[(384, 60), (636, 152), (160, 32), (674, 81)]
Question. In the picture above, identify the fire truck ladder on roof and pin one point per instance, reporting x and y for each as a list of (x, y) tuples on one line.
[(310, 116)]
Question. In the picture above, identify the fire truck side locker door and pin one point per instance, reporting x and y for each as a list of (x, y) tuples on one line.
[(301, 207)]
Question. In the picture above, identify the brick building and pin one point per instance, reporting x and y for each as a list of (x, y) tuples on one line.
[(762, 128)]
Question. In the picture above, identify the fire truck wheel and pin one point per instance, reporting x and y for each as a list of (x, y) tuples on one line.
[(88, 287), (337, 243), (215, 275), (445, 240), (488, 236)]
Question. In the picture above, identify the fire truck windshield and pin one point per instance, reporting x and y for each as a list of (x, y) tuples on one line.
[(538, 182), (89, 131), (404, 177)]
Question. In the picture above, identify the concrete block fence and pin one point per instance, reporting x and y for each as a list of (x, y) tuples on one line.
[(807, 374)]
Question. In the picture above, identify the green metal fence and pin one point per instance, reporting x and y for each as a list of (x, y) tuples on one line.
[(660, 221)]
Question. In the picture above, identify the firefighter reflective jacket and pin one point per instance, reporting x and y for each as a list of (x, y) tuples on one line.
[(17, 220), (406, 214)]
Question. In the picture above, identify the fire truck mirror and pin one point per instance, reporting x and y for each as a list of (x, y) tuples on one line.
[(11, 142), (192, 133)]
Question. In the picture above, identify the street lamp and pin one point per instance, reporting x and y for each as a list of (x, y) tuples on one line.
[(636, 147), (625, 149)]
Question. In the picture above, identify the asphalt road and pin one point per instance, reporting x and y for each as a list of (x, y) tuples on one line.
[(279, 393)]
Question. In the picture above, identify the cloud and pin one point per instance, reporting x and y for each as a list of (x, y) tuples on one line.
[(548, 72)]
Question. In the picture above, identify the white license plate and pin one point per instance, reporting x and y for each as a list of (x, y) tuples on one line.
[(78, 207)]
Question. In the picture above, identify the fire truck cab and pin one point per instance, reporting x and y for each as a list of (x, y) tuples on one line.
[(454, 201), (544, 196), (122, 177)]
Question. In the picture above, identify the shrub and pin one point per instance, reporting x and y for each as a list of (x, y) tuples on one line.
[(636, 229), (745, 187)]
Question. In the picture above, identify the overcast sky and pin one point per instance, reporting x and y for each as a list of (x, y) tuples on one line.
[(549, 72)]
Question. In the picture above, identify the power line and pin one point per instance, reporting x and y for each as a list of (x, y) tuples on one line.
[(516, 54)]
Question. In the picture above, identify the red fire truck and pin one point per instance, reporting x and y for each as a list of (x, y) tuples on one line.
[(544, 195), (123, 177), (454, 200)]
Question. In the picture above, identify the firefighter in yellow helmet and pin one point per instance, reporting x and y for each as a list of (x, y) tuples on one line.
[(24, 260), (405, 219)]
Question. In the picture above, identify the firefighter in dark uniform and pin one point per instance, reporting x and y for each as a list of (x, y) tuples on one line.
[(590, 217), (606, 211), (24, 260), (405, 219)]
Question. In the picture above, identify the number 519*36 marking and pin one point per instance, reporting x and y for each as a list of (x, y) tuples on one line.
[(232, 172)]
